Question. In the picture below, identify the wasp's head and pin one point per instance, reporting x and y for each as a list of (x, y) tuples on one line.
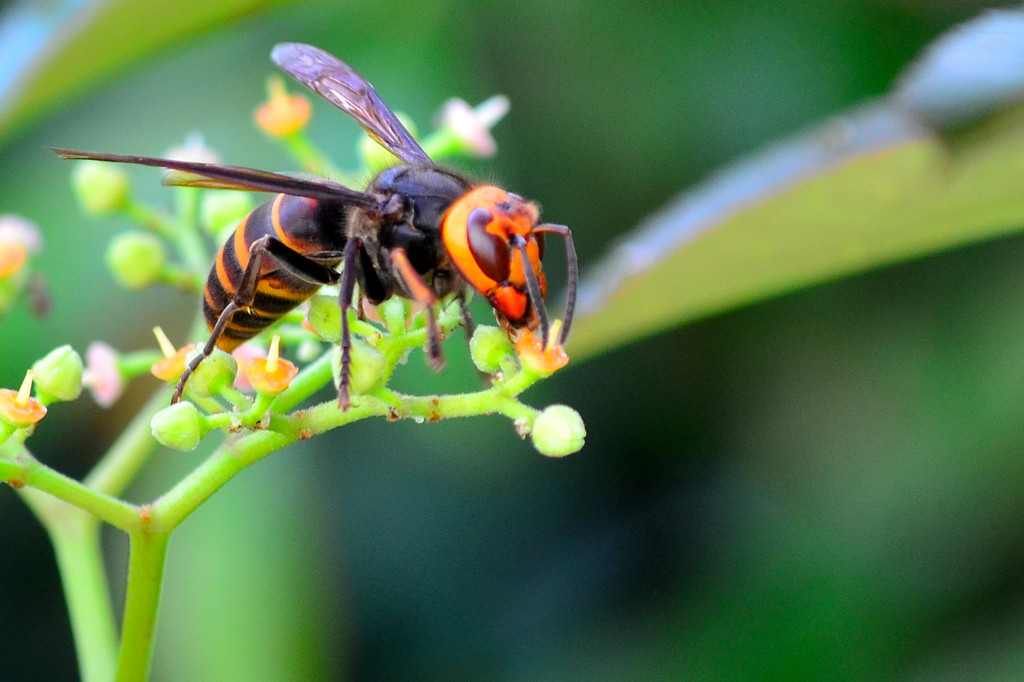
[(496, 241)]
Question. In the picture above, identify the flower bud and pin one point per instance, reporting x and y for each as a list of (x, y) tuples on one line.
[(136, 259), (324, 318), (179, 426), (393, 312), (558, 431), (308, 350), (100, 187), (488, 347), (282, 114), (213, 374), (102, 374), (368, 367), (59, 374), (221, 211)]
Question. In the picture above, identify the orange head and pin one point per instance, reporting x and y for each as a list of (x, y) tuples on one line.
[(496, 241)]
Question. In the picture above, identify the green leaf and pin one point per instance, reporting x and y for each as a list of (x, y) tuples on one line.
[(939, 163), (57, 50)]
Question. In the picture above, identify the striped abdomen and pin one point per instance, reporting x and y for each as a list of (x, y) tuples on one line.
[(306, 226)]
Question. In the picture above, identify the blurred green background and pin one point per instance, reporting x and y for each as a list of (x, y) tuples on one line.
[(829, 485)]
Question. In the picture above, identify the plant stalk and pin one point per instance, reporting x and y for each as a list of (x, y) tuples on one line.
[(147, 555)]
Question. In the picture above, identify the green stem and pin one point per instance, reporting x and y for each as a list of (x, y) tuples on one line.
[(147, 554), (230, 458), (306, 153), (75, 535), (138, 362), (490, 401), (181, 278), (311, 379), (146, 216), (6, 430), (32, 473), (259, 407)]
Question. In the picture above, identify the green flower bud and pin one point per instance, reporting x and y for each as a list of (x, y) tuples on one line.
[(393, 312), (368, 366), (179, 426), (58, 376), (558, 431), (99, 187), (488, 347), (308, 350), (214, 374), (221, 211), (325, 318), (136, 259)]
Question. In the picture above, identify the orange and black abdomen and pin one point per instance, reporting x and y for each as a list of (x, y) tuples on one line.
[(307, 226)]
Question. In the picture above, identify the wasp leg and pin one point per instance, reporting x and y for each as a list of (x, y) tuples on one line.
[(346, 290), (421, 293), (467, 316), (301, 266)]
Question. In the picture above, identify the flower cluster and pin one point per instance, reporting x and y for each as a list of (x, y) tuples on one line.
[(257, 400), (256, 387)]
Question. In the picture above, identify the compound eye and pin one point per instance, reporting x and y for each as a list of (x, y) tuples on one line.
[(490, 251)]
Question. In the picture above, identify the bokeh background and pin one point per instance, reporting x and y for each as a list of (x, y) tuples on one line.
[(828, 485)]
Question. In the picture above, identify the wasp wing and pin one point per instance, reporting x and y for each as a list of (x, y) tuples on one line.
[(217, 176), (339, 84)]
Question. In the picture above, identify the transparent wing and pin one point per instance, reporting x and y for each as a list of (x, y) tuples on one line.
[(336, 82)]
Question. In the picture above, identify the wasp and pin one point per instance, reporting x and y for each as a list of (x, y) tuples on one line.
[(418, 230)]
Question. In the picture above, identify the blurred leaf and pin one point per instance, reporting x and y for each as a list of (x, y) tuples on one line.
[(937, 164), (54, 50)]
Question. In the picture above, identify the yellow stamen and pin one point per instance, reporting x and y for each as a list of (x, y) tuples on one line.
[(554, 333), (25, 392), (273, 354), (166, 347), (19, 407)]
